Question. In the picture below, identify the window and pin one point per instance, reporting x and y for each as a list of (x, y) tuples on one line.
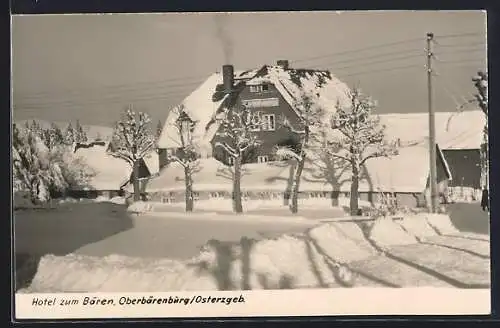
[(230, 160), (262, 159), (255, 122), (259, 88), (268, 122), (217, 194), (168, 198)]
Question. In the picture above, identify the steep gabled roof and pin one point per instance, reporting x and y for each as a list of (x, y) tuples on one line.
[(201, 105), (454, 130)]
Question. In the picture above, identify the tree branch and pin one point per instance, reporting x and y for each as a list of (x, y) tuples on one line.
[(227, 148)]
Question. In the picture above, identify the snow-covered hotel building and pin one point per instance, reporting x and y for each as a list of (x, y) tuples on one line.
[(271, 92)]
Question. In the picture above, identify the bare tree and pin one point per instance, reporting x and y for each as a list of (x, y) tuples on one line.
[(360, 137), (310, 117), (132, 140), (481, 85), (187, 152), (236, 138)]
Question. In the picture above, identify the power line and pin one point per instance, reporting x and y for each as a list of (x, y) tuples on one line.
[(382, 46), (128, 85), (459, 35), (383, 70), (458, 51), (119, 98), (439, 45), (444, 86), (70, 103), (356, 50), (99, 98), (364, 58), (127, 94), (81, 92), (450, 62), (379, 61)]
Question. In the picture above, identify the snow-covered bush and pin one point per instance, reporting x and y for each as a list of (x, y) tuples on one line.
[(140, 207), (44, 171)]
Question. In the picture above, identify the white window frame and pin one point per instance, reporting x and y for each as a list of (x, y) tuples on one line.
[(262, 159), (266, 122), (255, 127), (259, 88), (255, 88), (230, 160)]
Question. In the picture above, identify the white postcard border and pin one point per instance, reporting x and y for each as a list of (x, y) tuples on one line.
[(311, 302)]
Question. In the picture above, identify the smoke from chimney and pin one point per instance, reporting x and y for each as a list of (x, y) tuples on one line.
[(221, 32)]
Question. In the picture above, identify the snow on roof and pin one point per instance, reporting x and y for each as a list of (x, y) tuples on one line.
[(294, 83), (379, 174), (110, 172), (199, 107), (291, 83), (152, 161), (454, 130)]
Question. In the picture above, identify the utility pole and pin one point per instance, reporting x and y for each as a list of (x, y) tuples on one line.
[(432, 129)]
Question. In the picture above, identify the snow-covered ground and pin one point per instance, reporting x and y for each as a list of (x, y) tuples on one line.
[(384, 253)]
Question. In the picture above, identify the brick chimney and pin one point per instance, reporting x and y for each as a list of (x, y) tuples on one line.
[(228, 77), (283, 63)]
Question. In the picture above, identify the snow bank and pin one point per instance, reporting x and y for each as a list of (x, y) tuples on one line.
[(385, 232), (417, 226), (316, 258), (284, 262), (77, 273), (117, 200), (290, 261), (442, 223), (344, 242)]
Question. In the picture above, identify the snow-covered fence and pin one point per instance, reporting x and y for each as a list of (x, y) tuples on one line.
[(464, 194)]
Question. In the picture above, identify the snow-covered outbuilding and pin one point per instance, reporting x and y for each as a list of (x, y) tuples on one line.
[(110, 175), (321, 178), (459, 134)]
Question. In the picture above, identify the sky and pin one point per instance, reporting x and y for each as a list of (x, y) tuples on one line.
[(91, 67)]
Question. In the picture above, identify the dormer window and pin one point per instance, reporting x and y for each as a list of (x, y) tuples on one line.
[(259, 88)]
